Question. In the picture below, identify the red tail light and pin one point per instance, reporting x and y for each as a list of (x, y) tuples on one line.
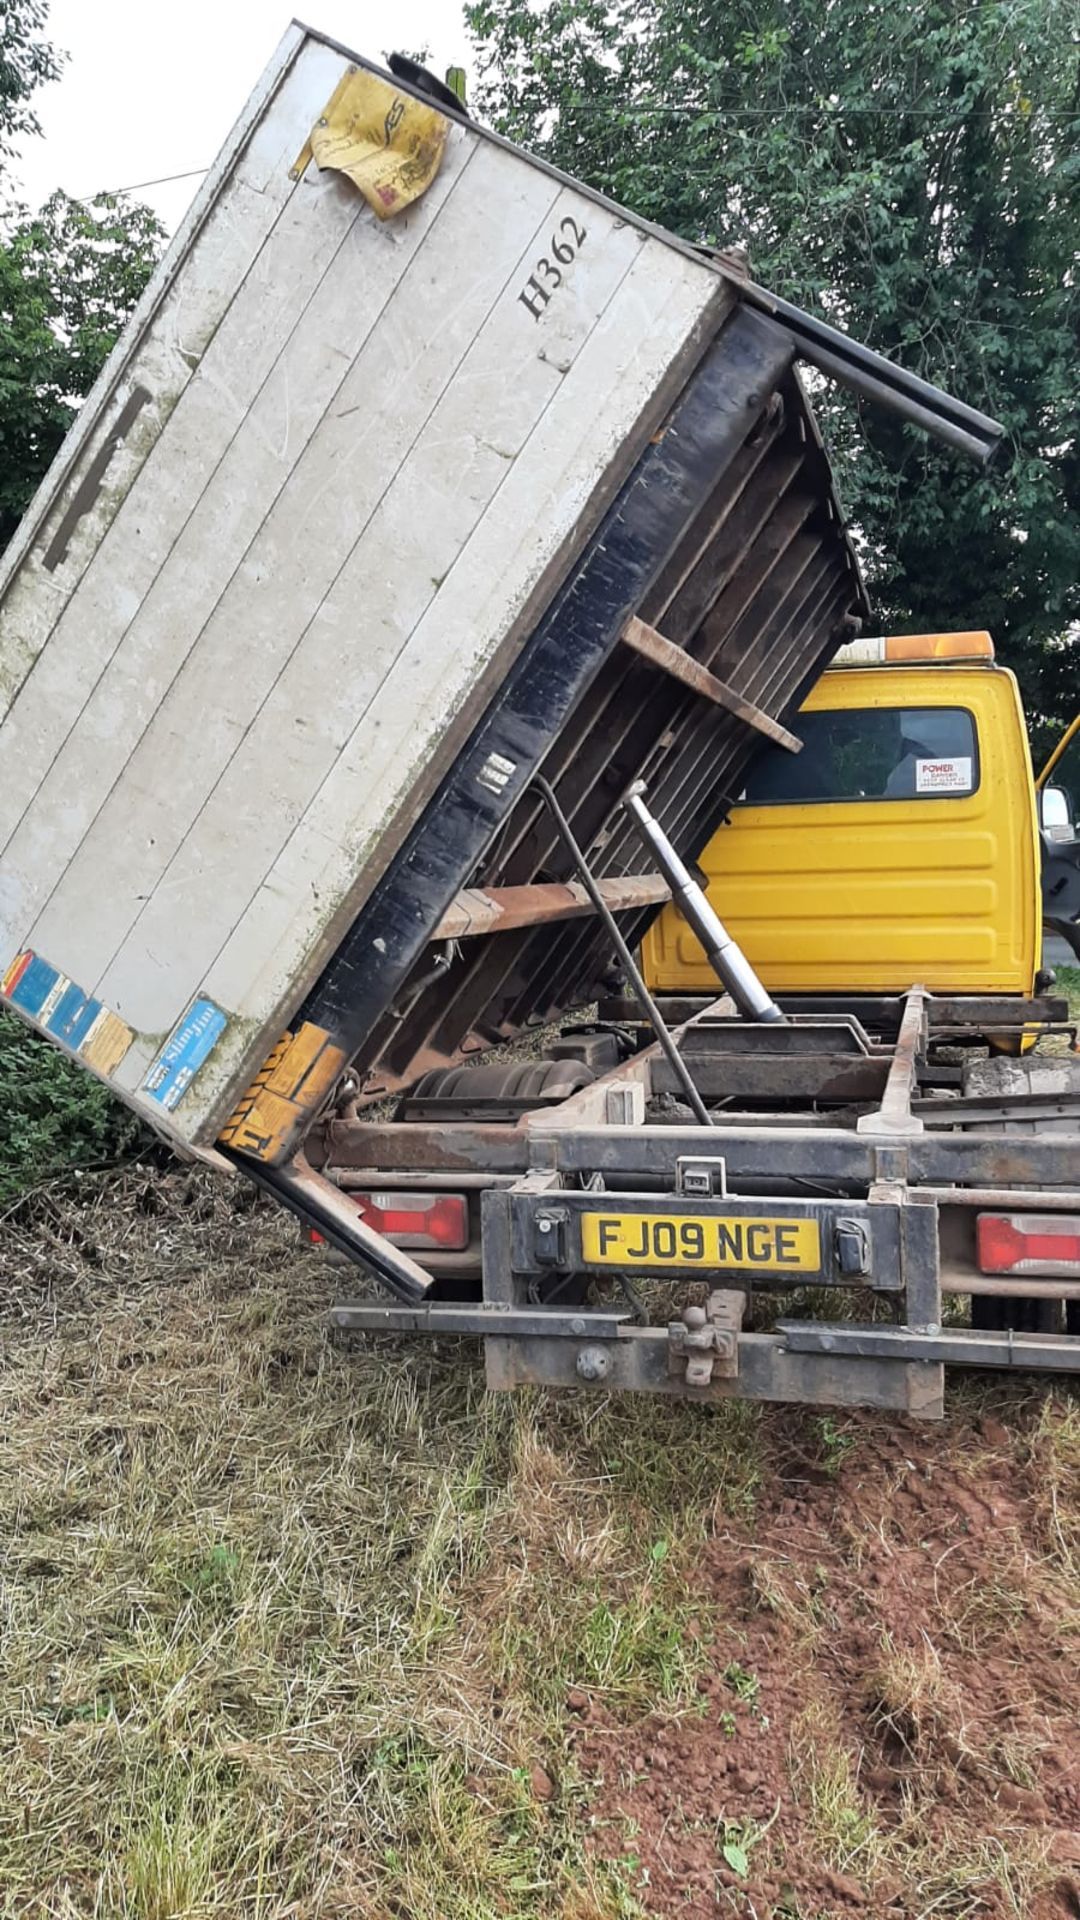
[(417, 1219), (1028, 1242)]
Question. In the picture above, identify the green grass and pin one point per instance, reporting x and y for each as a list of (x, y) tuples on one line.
[(288, 1627), (1068, 982), (298, 1631)]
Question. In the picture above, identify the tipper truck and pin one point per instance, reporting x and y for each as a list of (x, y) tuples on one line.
[(408, 604)]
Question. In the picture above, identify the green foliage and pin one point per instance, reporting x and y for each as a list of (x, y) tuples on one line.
[(55, 1116), (26, 61), (909, 170), (744, 1685), (69, 277), (836, 1443)]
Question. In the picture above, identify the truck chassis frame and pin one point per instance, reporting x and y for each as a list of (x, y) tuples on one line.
[(890, 1179)]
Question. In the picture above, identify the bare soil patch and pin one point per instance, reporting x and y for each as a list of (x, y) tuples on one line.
[(900, 1728)]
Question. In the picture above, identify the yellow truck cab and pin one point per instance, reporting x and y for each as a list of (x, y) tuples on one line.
[(900, 845)]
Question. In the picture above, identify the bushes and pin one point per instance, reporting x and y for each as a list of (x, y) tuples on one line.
[(53, 1114)]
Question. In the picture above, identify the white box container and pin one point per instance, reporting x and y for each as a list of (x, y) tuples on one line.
[(334, 471)]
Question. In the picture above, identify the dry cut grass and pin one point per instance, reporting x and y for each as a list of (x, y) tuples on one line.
[(289, 1629), (292, 1631)]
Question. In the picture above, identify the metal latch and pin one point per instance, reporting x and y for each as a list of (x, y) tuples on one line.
[(701, 1179), (550, 1237), (705, 1341), (852, 1246)]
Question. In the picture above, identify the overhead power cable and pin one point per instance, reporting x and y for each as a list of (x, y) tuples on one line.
[(138, 186), (642, 110)]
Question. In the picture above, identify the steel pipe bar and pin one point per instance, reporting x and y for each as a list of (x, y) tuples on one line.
[(508, 1322), (858, 366), (954, 1346), (725, 956)]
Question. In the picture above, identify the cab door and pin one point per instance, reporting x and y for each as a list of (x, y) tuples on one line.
[(1059, 831)]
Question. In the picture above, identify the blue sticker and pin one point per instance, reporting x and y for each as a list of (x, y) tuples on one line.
[(189, 1045), (74, 1035), (73, 1016), (36, 982)]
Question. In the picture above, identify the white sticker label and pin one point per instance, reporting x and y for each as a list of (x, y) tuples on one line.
[(943, 776)]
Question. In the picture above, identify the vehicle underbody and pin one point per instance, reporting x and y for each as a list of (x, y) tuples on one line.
[(817, 1241)]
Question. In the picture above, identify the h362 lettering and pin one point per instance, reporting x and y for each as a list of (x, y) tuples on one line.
[(565, 244)]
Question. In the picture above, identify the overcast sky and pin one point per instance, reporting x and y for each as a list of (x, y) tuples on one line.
[(151, 90)]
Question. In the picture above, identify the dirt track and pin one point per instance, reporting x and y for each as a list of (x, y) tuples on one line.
[(913, 1700)]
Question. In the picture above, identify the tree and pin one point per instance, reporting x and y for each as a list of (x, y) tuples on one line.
[(911, 171), (69, 277), (26, 62)]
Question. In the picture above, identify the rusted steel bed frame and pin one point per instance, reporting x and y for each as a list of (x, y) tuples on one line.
[(883, 1184)]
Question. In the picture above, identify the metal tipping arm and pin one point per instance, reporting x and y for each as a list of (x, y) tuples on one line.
[(724, 955), (870, 373)]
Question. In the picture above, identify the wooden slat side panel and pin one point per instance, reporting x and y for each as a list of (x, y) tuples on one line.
[(175, 679), (144, 599), (197, 288), (358, 460), (272, 947), (489, 415), (335, 487), (48, 498)]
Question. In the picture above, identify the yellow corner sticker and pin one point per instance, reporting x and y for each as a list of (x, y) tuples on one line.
[(292, 1084)]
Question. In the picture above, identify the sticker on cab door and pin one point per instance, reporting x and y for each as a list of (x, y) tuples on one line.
[(943, 776)]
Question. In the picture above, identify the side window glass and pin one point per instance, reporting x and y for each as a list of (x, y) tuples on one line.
[(870, 753)]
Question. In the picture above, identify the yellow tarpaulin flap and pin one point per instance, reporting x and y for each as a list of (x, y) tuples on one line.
[(390, 145)]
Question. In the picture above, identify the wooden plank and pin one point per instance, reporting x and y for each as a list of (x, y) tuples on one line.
[(188, 300), (240, 582), (500, 909), (382, 776), (682, 666)]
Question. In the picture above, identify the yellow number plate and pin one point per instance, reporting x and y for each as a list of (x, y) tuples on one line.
[(693, 1240)]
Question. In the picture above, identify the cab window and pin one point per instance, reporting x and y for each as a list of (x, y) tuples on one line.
[(870, 753)]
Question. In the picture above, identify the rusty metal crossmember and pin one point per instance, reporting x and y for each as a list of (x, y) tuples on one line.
[(894, 1114), (952, 1346)]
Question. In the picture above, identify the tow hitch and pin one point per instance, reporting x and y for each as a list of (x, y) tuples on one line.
[(704, 1342)]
